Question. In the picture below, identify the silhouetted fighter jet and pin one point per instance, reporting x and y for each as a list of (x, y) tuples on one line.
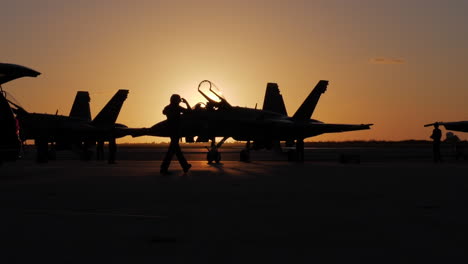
[(10, 144), (461, 126), (77, 129), (217, 118)]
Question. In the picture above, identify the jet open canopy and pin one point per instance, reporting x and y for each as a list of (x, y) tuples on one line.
[(10, 72), (213, 94)]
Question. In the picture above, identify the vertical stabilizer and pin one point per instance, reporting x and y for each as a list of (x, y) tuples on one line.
[(274, 100), (307, 108), (80, 108), (110, 112)]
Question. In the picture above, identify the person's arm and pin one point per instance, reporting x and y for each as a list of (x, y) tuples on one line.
[(187, 104)]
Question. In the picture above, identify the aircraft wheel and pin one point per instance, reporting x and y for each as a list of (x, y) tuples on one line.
[(213, 156)]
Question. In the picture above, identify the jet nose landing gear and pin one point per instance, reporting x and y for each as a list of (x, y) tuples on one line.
[(213, 155), (213, 152)]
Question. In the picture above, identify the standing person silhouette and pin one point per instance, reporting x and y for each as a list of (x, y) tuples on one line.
[(173, 112), (436, 136)]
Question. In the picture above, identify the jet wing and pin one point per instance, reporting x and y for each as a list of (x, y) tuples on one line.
[(461, 126)]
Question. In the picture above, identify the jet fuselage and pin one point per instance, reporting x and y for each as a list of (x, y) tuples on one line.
[(243, 124)]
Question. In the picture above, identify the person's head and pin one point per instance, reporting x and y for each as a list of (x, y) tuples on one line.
[(436, 125), (175, 99)]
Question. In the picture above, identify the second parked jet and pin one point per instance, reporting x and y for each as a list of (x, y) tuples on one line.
[(77, 129)]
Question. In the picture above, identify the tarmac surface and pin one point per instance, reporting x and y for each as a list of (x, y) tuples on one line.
[(70, 211)]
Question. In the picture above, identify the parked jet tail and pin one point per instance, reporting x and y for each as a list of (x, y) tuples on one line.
[(274, 100), (110, 112), (80, 108), (307, 108)]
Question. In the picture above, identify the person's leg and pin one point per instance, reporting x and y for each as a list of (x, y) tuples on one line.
[(180, 156), (168, 157)]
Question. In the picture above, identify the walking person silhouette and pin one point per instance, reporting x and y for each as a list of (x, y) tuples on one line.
[(436, 136), (173, 113)]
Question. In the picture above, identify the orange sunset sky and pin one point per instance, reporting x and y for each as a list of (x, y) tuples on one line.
[(397, 64)]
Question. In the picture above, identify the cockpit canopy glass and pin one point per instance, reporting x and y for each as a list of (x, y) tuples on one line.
[(10, 99), (10, 72), (211, 92)]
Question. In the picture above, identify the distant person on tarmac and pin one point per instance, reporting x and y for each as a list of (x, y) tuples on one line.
[(436, 136), (173, 112)]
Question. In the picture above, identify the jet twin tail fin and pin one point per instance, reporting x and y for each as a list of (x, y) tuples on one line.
[(80, 108), (274, 100), (307, 108), (110, 112)]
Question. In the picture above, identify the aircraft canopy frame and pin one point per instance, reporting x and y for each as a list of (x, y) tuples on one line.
[(212, 94)]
